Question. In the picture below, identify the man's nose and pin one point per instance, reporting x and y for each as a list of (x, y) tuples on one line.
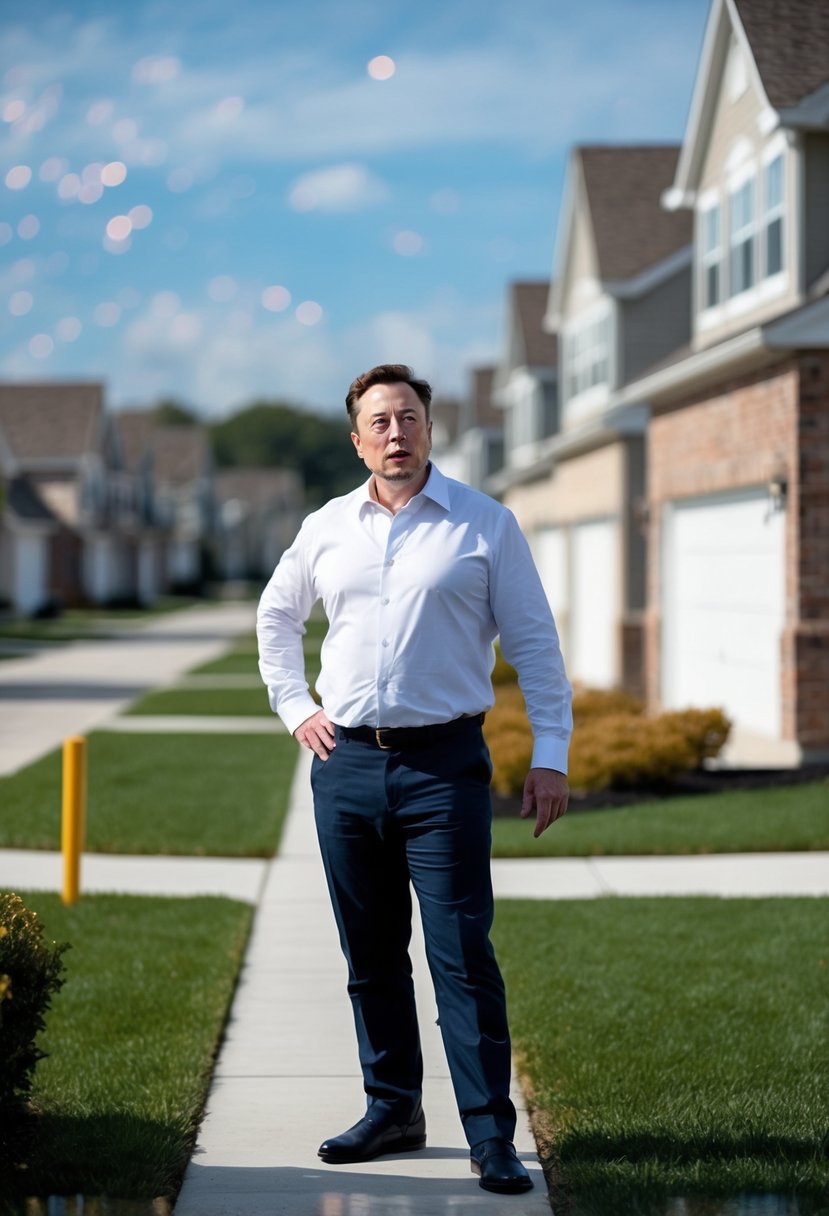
[(396, 429)]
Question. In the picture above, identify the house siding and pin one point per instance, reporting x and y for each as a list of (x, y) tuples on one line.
[(700, 448), (816, 206), (654, 325), (739, 122), (582, 287)]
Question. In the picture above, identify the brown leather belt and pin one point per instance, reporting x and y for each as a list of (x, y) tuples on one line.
[(409, 738)]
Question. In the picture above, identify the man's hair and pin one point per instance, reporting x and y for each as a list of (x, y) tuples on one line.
[(385, 373)]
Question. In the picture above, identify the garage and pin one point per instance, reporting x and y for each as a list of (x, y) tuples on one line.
[(591, 656), (723, 605)]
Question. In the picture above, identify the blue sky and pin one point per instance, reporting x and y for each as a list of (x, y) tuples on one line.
[(219, 201)]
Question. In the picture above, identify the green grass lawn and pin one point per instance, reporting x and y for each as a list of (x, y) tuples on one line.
[(782, 819), (223, 702), (131, 1039), (84, 624), (673, 1047), (218, 795)]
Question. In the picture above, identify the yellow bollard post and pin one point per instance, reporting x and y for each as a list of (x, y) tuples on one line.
[(74, 815)]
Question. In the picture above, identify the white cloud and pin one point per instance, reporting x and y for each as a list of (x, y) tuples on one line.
[(537, 83), (348, 187)]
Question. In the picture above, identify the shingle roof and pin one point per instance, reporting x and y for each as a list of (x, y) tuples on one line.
[(529, 304), (50, 421), (258, 486), (484, 411), (790, 43), (630, 228), (134, 429), (180, 454)]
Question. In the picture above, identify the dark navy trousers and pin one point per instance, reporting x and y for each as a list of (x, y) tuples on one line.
[(386, 819)]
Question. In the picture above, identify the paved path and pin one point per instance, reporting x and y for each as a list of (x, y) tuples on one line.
[(71, 689), (287, 1074)]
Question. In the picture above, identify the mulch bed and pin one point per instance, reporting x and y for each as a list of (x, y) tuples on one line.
[(705, 781)]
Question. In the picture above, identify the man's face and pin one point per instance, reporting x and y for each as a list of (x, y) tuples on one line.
[(393, 436)]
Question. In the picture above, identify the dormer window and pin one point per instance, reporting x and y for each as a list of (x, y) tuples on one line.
[(774, 205), (743, 212), (588, 354)]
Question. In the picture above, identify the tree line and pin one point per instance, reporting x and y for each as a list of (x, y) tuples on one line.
[(276, 434)]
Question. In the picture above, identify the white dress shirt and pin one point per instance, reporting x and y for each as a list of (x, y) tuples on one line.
[(414, 602)]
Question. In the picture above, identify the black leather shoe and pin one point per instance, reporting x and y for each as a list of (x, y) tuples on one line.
[(375, 1134), (496, 1163)]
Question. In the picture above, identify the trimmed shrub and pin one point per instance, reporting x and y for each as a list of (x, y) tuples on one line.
[(615, 744), (31, 971)]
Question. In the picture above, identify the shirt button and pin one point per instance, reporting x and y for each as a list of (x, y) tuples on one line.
[(385, 641), (390, 562), (384, 600)]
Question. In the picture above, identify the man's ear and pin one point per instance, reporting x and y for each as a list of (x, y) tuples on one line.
[(355, 439)]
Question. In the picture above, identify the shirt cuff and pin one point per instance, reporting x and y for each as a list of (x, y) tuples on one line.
[(294, 711), (550, 752)]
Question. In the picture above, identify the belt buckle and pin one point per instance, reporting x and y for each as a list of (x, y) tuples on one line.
[(381, 730)]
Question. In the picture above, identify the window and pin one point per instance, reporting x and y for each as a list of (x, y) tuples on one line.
[(711, 256), (742, 265), (588, 356), (773, 220)]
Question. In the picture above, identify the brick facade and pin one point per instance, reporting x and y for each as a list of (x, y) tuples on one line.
[(745, 433)]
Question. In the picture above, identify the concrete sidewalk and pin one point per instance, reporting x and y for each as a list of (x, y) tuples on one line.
[(67, 690)]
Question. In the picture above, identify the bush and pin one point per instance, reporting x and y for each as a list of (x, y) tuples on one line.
[(615, 744), (30, 972)]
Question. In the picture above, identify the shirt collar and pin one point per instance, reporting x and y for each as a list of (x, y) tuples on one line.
[(436, 489)]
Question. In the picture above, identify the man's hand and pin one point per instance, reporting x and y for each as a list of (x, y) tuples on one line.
[(317, 733), (546, 792)]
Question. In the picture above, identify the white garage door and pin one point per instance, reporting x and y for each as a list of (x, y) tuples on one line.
[(723, 604), (549, 549), (594, 608)]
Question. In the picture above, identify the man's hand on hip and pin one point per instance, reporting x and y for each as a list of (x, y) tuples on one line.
[(317, 733), (546, 792)]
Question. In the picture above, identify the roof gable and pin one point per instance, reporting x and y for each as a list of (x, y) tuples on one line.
[(51, 422), (631, 230), (786, 45), (530, 344)]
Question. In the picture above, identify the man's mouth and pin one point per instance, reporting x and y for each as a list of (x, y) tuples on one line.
[(398, 455)]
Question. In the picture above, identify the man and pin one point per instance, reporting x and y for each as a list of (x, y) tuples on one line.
[(417, 574)]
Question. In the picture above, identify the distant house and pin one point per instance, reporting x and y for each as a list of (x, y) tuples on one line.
[(259, 514), (738, 443), (618, 300), (61, 538), (182, 471), (469, 437), (144, 524), (526, 380)]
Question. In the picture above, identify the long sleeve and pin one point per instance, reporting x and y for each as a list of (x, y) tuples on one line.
[(529, 641), (284, 607)]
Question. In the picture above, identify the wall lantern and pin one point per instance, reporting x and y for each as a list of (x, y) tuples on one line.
[(778, 491)]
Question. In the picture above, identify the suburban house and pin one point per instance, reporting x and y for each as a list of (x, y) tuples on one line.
[(146, 534), (738, 439), (619, 300), (62, 541), (259, 514), (526, 381), (469, 442), (182, 472)]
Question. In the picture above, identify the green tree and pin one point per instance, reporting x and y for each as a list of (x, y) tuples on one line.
[(172, 413), (274, 434)]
